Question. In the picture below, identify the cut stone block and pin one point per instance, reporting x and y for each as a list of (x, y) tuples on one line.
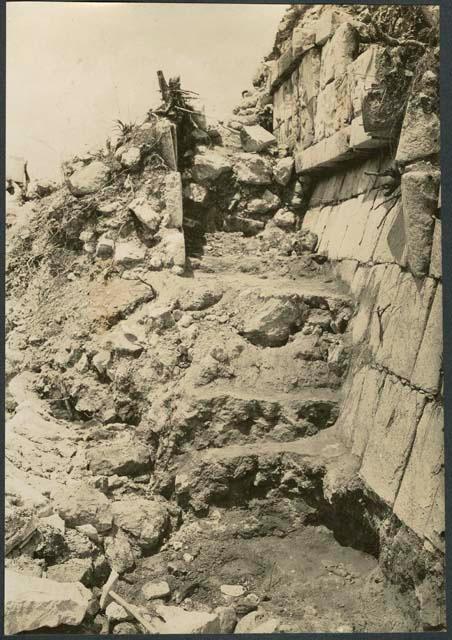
[(389, 276), (335, 232), (327, 24), (366, 71), (329, 152), (309, 75), (355, 212), (32, 603), (359, 139), (360, 279), (367, 406), (366, 285), (406, 320), (391, 245), (427, 370), (334, 109), (422, 486), (346, 422), (256, 139), (338, 53), (346, 269), (303, 39), (173, 199), (419, 198), (284, 62), (391, 438), (420, 136)]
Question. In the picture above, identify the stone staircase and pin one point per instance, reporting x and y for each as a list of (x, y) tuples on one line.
[(271, 401)]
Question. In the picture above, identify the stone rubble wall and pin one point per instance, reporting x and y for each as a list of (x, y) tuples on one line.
[(384, 242)]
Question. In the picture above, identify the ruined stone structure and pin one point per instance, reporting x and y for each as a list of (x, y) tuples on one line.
[(224, 367)]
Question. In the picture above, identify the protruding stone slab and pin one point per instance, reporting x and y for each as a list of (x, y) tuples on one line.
[(328, 153), (361, 140)]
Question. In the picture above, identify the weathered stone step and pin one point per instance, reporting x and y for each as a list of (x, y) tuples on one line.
[(220, 416), (237, 472)]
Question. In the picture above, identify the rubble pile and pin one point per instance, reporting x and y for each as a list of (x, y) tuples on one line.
[(208, 351)]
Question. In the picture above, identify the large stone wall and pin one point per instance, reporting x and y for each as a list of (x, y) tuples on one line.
[(383, 235)]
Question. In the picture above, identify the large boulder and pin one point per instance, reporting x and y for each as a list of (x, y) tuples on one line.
[(80, 503), (253, 169), (123, 456), (272, 324), (89, 179), (209, 166), (256, 138), (146, 520), (32, 603)]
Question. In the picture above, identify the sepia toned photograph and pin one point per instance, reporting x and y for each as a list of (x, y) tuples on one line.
[(224, 387)]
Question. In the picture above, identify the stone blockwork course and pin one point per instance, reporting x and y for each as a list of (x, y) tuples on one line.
[(376, 214)]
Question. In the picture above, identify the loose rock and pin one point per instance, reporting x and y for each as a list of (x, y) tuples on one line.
[(32, 603)]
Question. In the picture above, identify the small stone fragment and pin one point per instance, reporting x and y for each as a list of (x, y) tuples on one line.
[(232, 590), (153, 590)]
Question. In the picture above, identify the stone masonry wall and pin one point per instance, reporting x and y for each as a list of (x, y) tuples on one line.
[(383, 234)]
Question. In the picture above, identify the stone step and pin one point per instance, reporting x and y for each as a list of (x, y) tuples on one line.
[(239, 472), (223, 415)]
